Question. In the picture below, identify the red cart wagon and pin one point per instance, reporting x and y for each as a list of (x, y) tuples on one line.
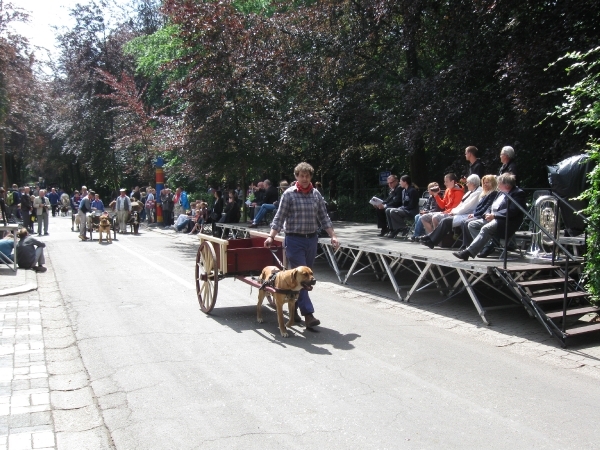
[(239, 258)]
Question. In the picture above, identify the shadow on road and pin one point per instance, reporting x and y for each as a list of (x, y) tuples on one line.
[(243, 318)]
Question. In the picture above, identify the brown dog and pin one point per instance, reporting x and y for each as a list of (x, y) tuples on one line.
[(104, 227), (291, 281)]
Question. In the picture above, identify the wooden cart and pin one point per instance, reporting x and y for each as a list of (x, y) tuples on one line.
[(239, 258), (95, 223)]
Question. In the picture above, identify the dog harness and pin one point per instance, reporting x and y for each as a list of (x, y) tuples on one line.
[(270, 282)]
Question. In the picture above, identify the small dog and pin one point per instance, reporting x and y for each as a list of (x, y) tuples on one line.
[(288, 280), (104, 227)]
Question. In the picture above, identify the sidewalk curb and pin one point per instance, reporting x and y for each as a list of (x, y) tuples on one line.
[(30, 285)]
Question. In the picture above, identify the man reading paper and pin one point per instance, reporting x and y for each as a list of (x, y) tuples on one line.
[(393, 200)]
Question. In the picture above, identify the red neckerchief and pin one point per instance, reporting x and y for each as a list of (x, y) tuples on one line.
[(308, 189)]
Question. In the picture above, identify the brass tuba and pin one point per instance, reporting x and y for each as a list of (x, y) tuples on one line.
[(544, 213)]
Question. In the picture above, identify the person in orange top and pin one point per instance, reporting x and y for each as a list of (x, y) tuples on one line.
[(452, 197)]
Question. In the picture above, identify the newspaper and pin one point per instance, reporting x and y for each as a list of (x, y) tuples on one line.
[(375, 201)]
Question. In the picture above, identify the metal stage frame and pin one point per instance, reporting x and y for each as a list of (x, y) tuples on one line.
[(399, 259)]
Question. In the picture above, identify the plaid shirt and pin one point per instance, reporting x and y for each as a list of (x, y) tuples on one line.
[(301, 213)]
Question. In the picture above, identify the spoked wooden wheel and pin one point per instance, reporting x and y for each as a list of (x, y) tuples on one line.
[(207, 277)]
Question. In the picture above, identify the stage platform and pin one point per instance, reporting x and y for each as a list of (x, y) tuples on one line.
[(412, 267)]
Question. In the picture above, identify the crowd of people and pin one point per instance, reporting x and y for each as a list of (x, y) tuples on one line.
[(475, 207)]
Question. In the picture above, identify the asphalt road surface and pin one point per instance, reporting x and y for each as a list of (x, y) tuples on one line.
[(167, 376)]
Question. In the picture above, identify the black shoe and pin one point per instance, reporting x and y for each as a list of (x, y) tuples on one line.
[(404, 231), (464, 255), (427, 242), (393, 234), (383, 232)]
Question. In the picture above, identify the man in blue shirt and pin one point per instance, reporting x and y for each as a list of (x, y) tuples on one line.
[(97, 204), (53, 197)]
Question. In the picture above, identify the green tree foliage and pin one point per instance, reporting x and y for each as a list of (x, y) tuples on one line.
[(581, 110), (21, 113)]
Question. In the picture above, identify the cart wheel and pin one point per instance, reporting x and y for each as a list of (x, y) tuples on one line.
[(207, 277)]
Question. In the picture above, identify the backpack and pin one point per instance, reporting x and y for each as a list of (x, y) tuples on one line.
[(10, 199)]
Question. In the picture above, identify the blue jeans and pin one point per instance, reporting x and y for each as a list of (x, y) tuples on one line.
[(301, 252), (265, 207), (419, 228), (184, 225)]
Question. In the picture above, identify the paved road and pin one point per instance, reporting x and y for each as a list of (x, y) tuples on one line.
[(137, 365)]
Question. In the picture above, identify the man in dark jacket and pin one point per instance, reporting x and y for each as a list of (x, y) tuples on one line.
[(393, 200), (30, 252), (507, 158), (495, 222), (396, 217), (476, 167), (26, 207)]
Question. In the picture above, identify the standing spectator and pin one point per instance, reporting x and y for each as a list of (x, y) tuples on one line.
[(136, 193), (176, 205), (122, 206), (42, 205), (97, 204), (149, 205), (30, 252), (302, 211), (13, 200), (182, 200), (476, 167), (166, 199), (53, 197), (75, 200), (26, 207), (507, 158), (84, 191), (85, 206), (3, 209)]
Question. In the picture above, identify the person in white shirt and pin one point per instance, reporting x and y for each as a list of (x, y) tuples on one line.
[(122, 206), (42, 204)]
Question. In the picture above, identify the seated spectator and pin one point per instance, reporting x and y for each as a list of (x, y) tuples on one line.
[(507, 158), (452, 197), (393, 200), (396, 217), (457, 215), (30, 252), (488, 195), (271, 196), (259, 194), (201, 218), (231, 212), (495, 221), (7, 244), (184, 221), (430, 206)]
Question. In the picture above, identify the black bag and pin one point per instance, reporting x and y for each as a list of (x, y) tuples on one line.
[(214, 216)]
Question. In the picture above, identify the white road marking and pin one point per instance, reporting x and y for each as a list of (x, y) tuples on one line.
[(180, 280)]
